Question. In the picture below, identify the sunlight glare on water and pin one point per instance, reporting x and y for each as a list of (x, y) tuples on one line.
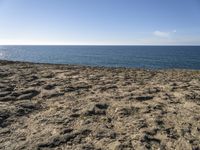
[(1, 55)]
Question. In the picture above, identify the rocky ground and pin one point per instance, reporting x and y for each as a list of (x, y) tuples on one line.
[(91, 108)]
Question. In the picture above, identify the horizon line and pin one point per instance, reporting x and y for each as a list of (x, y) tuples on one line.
[(99, 45)]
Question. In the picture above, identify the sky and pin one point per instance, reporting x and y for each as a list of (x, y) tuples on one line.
[(99, 22)]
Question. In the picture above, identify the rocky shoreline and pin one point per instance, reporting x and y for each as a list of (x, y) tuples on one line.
[(44, 106)]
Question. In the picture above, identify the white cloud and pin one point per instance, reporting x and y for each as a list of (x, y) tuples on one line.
[(174, 31), (163, 34)]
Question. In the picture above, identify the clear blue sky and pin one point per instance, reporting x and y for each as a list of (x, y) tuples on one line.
[(100, 22)]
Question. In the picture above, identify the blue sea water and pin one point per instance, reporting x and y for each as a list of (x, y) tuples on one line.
[(152, 57)]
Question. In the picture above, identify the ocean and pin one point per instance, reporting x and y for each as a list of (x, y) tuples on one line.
[(150, 57)]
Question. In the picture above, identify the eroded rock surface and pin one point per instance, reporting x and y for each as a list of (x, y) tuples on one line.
[(89, 108)]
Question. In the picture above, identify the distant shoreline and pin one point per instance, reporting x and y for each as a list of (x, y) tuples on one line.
[(7, 62)]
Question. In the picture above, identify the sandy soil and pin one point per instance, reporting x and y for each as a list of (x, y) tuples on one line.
[(84, 108)]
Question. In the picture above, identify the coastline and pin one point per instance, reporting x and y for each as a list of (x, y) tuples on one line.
[(45, 106), (4, 62)]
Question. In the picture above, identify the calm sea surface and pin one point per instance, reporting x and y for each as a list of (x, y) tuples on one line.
[(152, 57)]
